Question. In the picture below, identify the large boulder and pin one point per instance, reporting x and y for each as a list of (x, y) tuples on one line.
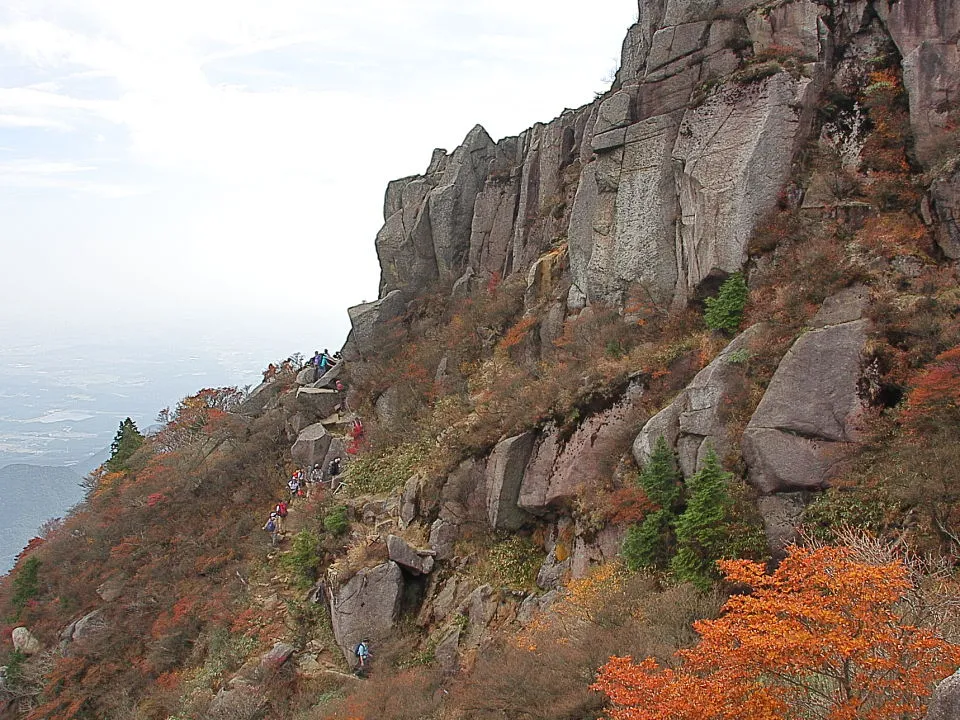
[(694, 422), (808, 415), (24, 641), (945, 701), (505, 469), (463, 495), (366, 607), (263, 397), (317, 403), (806, 422), (419, 562), (370, 322), (306, 375), (311, 446)]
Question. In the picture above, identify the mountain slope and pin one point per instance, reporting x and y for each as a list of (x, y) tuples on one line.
[(709, 314)]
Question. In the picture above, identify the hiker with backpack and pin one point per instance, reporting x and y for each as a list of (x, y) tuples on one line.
[(362, 651), (333, 469), (272, 526), (293, 485), (281, 512), (316, 475)]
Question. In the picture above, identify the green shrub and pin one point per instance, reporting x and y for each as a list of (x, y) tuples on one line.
[(512, 562), (301, 561), (372, 473), (336, 521), (26, 585), (725, 311), (14, 673)]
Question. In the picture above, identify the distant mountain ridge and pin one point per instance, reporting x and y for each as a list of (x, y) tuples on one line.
[(29, 496)]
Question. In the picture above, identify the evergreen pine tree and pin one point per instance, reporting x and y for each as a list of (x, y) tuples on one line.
[(702, 530), (651, 543), (725, 311), (125, 444)]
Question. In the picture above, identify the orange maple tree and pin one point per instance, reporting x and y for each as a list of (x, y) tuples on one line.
[(824, 636)]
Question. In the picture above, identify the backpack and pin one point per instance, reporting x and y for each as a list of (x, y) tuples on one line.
[(271, 526), (334, 467), (282, 509)]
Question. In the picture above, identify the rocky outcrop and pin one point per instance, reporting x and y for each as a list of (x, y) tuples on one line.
[(428, 219), (945, 701), (111, 589), (807, 419), (694, 422), (559, 468), (925, 32), (369, 323), (264, 396), (24, 641), (733, 155), (419, 562), (84, 627), (505, 470), (808, 414), (366, 607), (311, 446), (945, 194)]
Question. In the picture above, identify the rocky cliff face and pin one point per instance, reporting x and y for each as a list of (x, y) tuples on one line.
[(659, 183), (654, 190), (650, 197)]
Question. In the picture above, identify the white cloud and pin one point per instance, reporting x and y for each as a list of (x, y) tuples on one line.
[(232, 154)]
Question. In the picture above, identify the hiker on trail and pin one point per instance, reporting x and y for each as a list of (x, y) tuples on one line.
[(325, 361), (333, 469), (272, 526), (316, 475), (281, 512), (293, 485), (362, 652), (270, 373)]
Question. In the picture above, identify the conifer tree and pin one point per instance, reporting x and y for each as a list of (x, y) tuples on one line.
[(125, 444), (651, 543), (725, 311), (703, 529)]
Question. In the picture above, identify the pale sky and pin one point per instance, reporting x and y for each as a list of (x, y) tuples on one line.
[(207, 160)]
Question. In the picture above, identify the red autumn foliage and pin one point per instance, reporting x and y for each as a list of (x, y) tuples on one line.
[(934, 398)]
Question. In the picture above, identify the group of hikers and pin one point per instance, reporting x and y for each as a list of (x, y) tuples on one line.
[(322, 361), (299, 486)]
